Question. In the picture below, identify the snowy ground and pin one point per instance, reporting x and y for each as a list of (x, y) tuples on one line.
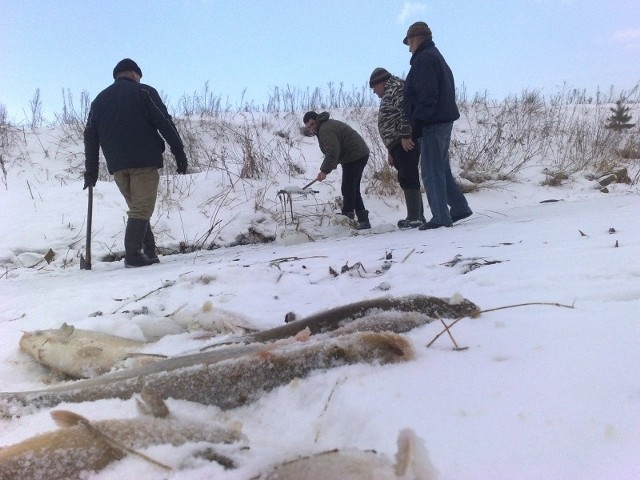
[(541, 391)]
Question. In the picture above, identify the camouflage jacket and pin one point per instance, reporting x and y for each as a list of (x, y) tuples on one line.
[(392, 123)]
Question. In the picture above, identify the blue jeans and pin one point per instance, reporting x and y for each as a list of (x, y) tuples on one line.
[(441, 188)]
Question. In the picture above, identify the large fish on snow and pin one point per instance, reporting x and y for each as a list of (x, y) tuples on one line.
[(81, 445), (78, 353), (227, 377), (411, 463), (375, 314)]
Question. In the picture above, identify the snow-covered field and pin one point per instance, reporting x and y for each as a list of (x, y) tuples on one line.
[(541, 391)]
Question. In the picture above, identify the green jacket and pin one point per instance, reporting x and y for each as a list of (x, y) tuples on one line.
[(338, 142)]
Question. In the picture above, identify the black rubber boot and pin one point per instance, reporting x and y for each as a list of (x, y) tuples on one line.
[(363, 219), (133, 237), (149, 245), (422, 219), (415, 215)]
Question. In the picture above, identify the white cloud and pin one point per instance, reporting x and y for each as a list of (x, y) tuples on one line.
[(628, 35), (409, 9), (628, 38)]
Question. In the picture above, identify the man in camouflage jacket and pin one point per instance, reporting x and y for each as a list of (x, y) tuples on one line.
[(395, 132)]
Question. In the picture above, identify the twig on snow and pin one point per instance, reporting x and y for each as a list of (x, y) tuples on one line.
[(553, 304), (446, 330), (408, 255), (326, 404)]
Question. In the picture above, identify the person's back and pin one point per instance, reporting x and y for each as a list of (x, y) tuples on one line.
[(430, 87), (339, 142), (392, 124), (124, 127)]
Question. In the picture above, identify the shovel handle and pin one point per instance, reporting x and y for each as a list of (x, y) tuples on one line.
[(309, 184), (85, 264)]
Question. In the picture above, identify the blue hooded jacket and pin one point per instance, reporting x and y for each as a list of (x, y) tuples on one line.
[(429, 91)]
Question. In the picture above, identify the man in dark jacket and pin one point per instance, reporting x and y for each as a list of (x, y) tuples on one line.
[(402, 152), (124, 120), (430, 106), (341, 144)]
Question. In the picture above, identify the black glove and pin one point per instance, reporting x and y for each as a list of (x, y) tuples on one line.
[(181, 162), (90, 179)]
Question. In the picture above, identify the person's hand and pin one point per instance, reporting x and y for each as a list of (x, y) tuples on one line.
[(321, 176), (181, 162), (416, 130), (90, 179), (407, 144)]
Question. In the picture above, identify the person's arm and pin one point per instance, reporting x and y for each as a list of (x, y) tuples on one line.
[(405, 127), (426, 88), (163, 122), (331, 149)]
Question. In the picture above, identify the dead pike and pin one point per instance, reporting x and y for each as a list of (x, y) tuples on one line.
[(78, 353), (227, 377), (81, 445), (428, 308), (412, 463)]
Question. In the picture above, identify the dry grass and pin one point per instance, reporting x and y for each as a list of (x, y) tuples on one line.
[(560, 135)]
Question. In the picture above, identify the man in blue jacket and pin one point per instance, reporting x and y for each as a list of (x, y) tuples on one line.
[(124, 120), (430, 105)]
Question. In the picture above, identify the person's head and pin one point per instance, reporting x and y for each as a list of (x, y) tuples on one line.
[(127, 68), (378, 80), (310, 122), (416, 34)]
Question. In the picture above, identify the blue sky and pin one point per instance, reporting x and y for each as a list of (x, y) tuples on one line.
[(502, 47)]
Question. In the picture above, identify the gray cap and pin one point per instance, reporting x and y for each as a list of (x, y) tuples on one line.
[(417, 29)]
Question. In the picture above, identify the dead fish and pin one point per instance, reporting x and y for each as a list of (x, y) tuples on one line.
[(411, 463), (334, 318), (78, 353), (81, 445), (227, 377), (212, 319)]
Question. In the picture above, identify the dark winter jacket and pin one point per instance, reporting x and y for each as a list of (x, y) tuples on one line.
[(124, 120), (339, 142), (392, 124), (429, 92)]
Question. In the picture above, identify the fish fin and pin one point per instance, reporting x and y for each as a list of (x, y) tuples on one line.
[(150, 403), (66, 419), (412, 458), (65, 331)]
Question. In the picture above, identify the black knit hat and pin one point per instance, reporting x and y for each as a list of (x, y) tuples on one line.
[(126, 65), (379, 75), (310, 115), (418, 29)]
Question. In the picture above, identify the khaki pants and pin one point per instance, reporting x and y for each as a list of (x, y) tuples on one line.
[(139, 187)]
